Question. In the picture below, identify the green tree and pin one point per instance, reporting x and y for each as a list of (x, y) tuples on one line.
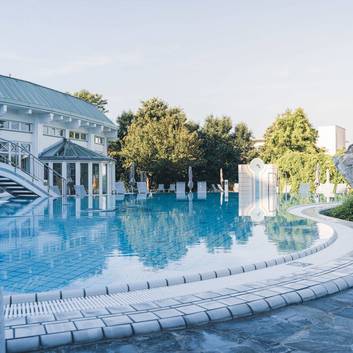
[(93, 98), (291, 131), (160, 143), (124, 120), (244, 143), (218, 149)]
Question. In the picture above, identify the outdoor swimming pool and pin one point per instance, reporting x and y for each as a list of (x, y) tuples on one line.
[(48, 244)]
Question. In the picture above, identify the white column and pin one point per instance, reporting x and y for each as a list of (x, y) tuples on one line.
[(90, 189), (64, 175), (100, 178), (109, 178), (50, 181), (77, 173)]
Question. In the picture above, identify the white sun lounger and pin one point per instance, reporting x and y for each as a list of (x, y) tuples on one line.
[(160, 188), (304, 190), (56, 189), (80, 191), (142, 187), (180, 190), (341, 189), (214, 188), (219, 186), (171, 188), (120, 188), (201, 190)]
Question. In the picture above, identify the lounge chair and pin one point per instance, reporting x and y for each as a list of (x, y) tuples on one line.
[(142, 188), (304, 190), (171, 188), (201, 190), (160, 188), (287, 188), (341, 189), (120, 188), (180, 190), (214, 188), (80, 191), (219, 186)]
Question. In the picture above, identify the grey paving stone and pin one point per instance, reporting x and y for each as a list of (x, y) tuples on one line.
[(276, 302), (60, 327), (119, 331), (220, 314), (142, 317), (292, 298), (56, 339), (144, 306), (349, 280), (141, 328), (295, 285), (118, 309), (207, 295), (15, 321), (26, 331), (187, 299), (190, 309), (225, 291), (306, 294), (240, 310), (88, 324), (40, 319), (137, 286), (157, 283), (117, 288), (248, 268), (266, 293), (341, 284), (223, 273), (8, 334), (259, 306), (68, 315), (175, 281), (22, 345), (90, 292), (319, 290), (212, 305), (192, 278), (331, 287), (236, 270), (87, 336), (172, 323), (45, 296), (231, 301), (116, 320), (196, 319), (166, 302), (208, 275), (248, 297), (260, 265), (23, 298), (95, 312), (167, 313), (72, 293)]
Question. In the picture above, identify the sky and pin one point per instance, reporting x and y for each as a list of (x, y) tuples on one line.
[(249, 59)]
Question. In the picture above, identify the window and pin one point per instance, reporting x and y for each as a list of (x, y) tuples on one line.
[(75, 135), (53, 131), (15, 126), (99, 140)]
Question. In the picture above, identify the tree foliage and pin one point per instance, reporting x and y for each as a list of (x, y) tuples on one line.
[(291, 131), (93, 98), (244, 143), (160, 143)]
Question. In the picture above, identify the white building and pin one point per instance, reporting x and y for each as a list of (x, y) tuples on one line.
[(51, 141), (332, 138)]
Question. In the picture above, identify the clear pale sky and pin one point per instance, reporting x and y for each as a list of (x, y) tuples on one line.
[(247, 59)]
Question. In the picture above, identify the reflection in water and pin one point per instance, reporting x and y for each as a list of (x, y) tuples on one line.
[(82, 242)]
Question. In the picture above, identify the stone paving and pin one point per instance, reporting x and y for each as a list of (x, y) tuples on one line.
[(323, 325)]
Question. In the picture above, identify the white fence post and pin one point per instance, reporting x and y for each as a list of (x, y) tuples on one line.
[(2, 325)]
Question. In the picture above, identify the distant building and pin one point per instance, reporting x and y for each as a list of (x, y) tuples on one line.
[(332, 138), (258, 142)]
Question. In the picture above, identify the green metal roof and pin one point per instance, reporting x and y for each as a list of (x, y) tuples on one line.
[(32, 95), (67, 150)]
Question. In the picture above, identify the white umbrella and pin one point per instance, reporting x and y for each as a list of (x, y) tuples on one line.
[(190, 182), (132, 180), (317, 175), (221, 177)]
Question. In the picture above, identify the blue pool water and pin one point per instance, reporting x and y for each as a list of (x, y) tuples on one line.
[(84, 243)]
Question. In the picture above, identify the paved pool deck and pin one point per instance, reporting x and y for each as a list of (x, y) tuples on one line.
[(294, 279)]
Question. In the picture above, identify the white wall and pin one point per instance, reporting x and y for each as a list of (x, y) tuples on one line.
[(331, 138)]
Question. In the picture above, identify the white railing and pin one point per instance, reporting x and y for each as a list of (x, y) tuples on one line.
[(19, 157)]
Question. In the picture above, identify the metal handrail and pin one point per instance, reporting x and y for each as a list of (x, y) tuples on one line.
[(34, 159)]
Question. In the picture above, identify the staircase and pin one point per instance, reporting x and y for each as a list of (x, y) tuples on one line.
[(15, 189), (25, 181)]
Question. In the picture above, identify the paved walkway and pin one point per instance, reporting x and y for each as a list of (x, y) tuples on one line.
[(323, 325)]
